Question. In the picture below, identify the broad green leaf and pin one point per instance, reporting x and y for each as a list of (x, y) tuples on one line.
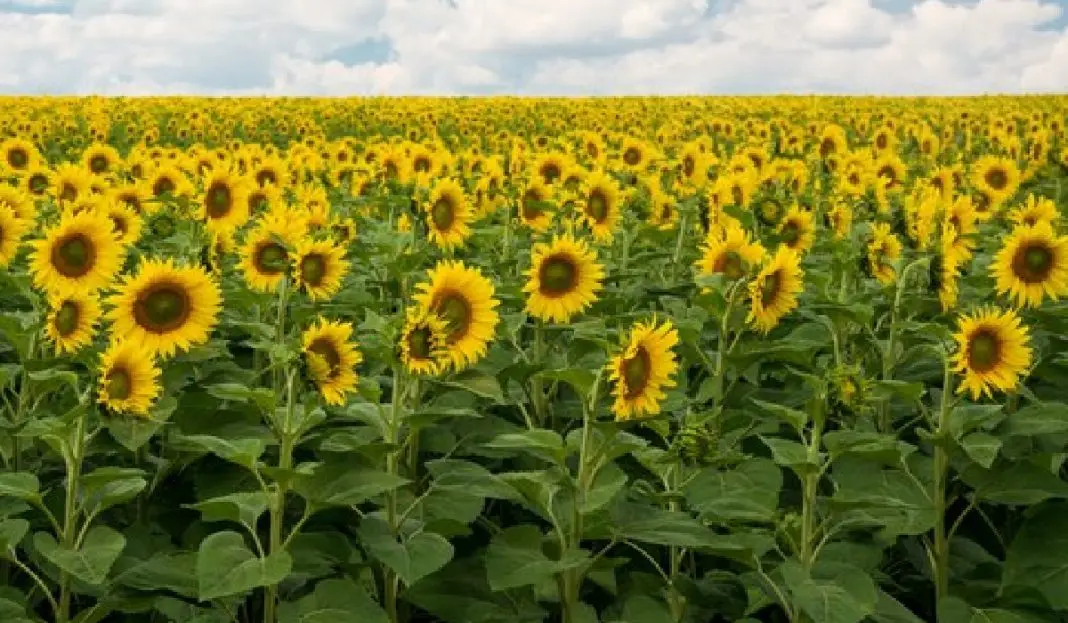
[(244, 507), (105, 487), (1038, 555), (981, 447), (884, 390), (875, 446), (134, 432), (958, 611), (333, 601), (92, 561), (175, 572), (12, 612), (749, 492), (848, 596), (794, 417), (236, 392), (649, 524), (12, 531), (968, 417), (225, 567), (1038, 420), (539, 442), (470, 478), (645, 609), (890, 610), (413, 557), (887, 497), (245, 452), (515, 558), (789, 453), (346, 484), (1018, 484), (580, 379), (609, 482), (478, 384), (20, 485)]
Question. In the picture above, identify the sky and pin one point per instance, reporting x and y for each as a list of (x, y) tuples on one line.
[(532, 47)]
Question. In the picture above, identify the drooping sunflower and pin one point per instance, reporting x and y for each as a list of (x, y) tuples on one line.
[(165, 307), (883, 250), (731, 254), (798, 229), (332, 358), (663, 210), (320, 268), (840, 218), (72, 320), (997, 178), (167, 180), (448, 214), (1032, 263), (945, 270), (643, 369), (1036, 210), (129, 378), (993, 351), (773, 292), (136, 196), (79, 253), (12, 229), (600, 204), (890, 170), (423, 348), (223, 204), (563, 280), (463, 298)]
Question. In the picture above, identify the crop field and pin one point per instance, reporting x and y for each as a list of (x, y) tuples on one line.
[(481, 360)]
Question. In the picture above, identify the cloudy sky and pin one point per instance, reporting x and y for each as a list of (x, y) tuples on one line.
[(549, 47)]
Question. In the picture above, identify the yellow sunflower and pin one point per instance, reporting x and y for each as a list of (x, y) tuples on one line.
[(126, 223), (798, 229), (448, 214), (1036, 210), (69, 184), (266, 254), (129, 378), (223, 204), (563, 280), (100, 159), (423, 346), (12, 229), (774, 290), (166, 308), (20, 202), (993, 351), (883, 250), (947, 267), (79, 253), (72, 320), (600, 204), (533, 205), (320, 268), (997, 178), (663, 210), (331, 359), (1032, 263), (463, 298), (17, 154), (731, 254), (643, 369), (840, 218)]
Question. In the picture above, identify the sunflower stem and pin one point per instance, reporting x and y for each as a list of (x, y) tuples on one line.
[(73, 454), (390, 580), (537, 387), (571, 582), (940, 555), (278, 503)]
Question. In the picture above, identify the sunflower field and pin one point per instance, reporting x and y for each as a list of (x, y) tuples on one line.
[(636, 360)]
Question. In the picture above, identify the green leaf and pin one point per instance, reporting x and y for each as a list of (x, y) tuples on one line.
[(789, 453), (412, 558), (887, 497), (981, 447), (226, 567), (515, 558), (794, 417), (134, 432), (20, 485), (89, 563), (609, 482), (846, 596), (470, 478), (540, 442), (969, 417), (884, 390), (175, 572), (1019, 484), (244, 507), (890, 610), (236, 392), (649, 524), (1038, 555), (245, 452), (645, 609), (333, 601), (749, 492), (11, 612), (875, 446), (478, 384), (958, 611), (580, 379), (1038, 420), (346, 484), (12, 531), (52, 378), (105, 487)]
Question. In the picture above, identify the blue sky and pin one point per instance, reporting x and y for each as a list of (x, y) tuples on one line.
[(555, 47)]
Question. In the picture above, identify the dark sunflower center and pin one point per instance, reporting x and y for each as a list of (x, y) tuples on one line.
[(68, 192), (98, 164), (17, 158), (421, 164), (597, 206), (454, 309), (854, 178), (391, 170), (558, 276), (163, 185), (737, 195), (636, 371), (550, 172), (633, 156), (162, 308), (266, 176), (791, 233), (1032, 263), (890, 175), (996, 179), (688, 166), (769, 289), (74, 256), (313, 269), (531, 209), (827, 147), (419, 343), (325, 349), (118, 224), (730, 264), (256, 200), (271, 258), (219, 200), (880, 141), (442, 214), (38, 183), (984, 350), (119, 384), (67, 318)]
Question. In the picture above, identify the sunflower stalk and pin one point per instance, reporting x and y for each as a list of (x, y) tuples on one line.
[(287, 439), (390, 579), (588, 466), (940, 474), (73, 455)]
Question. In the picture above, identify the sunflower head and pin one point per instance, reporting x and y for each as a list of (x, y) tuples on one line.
[(12, 229), (423, 348), (643, 368), (993, 351), (448, 214), (463, 298), (563, 280), (72, 320), (773, 292), (331, 358), (129, 379), (81, 252), (320, 268), (1032, 264)]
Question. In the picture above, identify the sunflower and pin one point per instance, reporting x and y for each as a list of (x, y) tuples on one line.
[(550, 167), (997, 178), (1032, 263), (20, 202), (563, 279), (798, 229), (448, 214), (271, 171), (72, 320), (135, 195), (320, 268), (129, 378), (600, 204), (634, 154), (165, 307), (78, 253), (533, 209), (992, 351), (12, 229), (224, 202), (423, 348), (36, 181), (463, 298), (18, 154), (890, 171), (946, 269), (266, 254), (126, 223), (69, 183), (100, 159), (663, 210), (1036, 210), (775, 288), (167, 180), (883, 250), (643, 369), (331, 359), (731, 254), (840, 218)]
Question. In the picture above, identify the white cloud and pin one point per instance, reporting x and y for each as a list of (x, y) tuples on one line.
[(531, 46)]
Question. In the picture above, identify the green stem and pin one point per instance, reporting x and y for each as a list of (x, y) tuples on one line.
[(676, 600), (278, 503), (571, 581), (940, 475), (74, 455), (537, 387), (675, 260), (390, 580)]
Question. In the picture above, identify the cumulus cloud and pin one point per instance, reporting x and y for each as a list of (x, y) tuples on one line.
[(533, 46)]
